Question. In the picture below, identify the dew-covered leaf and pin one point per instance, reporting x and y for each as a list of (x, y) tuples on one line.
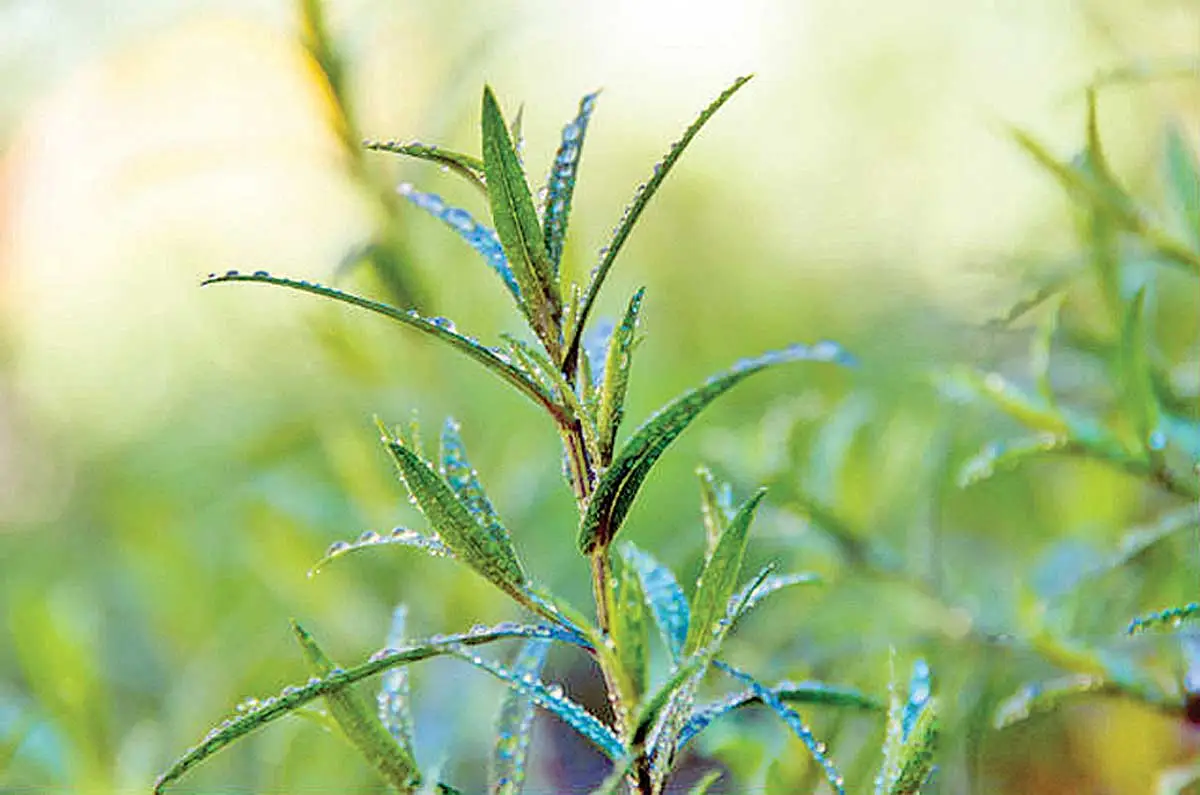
[(618, 359), (628, 628), (466, 166), (809, 693), (666, 600), (257, 714), (517, 225), (631, 215), (763, 587), (551, 698), (515, 724), (363, 728), (716, 508), (478, 236), (911, 737), (718, 578), (792, 719), (400, 536), (439, 328), (616, 489), (1040, 697), (1171, 618), (482, 547), (395, 712), (561, 186), (1007, 455), (458, 472), (1182, 174)]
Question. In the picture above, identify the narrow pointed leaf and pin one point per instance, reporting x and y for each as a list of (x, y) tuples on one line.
[(1001, 456), (515, 725), (561, 186), (394, 692), (620, 483), (611, 408), (810, 693), (716, 508), (705, 784), (516, 132), (1042, 345), (664, 597), (718, 578), (794, 722), (439, 329), (1171, 618), (460, 475), (478, 236), (911, 736), (393, 761), (483, 549), (633, 212), (763, 588), (400, 536), (1137, 384), (1040, 697), (551, 699), (517, 225), (293, 698), (629, 629), (466, 166)]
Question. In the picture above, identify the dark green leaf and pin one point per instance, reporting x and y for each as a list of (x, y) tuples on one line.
[(611, 408), (438, 328), (616, 489), (561, 185), (719, 577), (460, 475), (259, 713), (358, 722), (632, 213), (466, 166), (517, 225), (515, 725)]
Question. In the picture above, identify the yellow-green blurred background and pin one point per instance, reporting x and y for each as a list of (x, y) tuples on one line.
[(173, 459)]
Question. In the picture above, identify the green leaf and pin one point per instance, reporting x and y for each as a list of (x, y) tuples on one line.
[(257, 714), (478, 236), (1136, 382), (517, 225), (1183, 182), (359, 723), (475, 539), (719, 577), (617, 488), (794, 722), (515, 725), (632, 213), (394, 700), (762, 587), (1041, 348), (611, 408), (1040, 697), (458, 472), (705, 784), (716, 508), (629, 630), (437, 328), (551, 698), (1009, 454), (400, 536), (1171, 618), (561, 186), (912, 732), (664, 597), (468, 167)]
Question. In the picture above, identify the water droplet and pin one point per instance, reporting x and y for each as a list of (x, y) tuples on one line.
[(404, 188), (369, 537), (555, 690), (231, 274), (337, 547), (1157, 441)]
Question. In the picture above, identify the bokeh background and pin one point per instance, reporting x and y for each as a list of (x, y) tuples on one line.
[(172, 460)]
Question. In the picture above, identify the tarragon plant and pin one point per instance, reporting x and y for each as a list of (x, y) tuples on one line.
[(577, 374)]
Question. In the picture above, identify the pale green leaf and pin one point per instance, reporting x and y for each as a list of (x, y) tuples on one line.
[(466, 166), (515, 724), (629, 629), (664, 597), (611, 407), (561, 186)]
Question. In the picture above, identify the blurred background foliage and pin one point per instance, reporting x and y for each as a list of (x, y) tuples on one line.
[(172, 461)]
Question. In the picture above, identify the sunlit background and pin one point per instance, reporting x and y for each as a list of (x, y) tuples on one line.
[(172, 459)]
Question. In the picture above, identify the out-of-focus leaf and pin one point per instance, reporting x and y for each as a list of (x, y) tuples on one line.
[(392, 760), (1039, 697), (515, 725), (1136, 382), (478, 236), (616, 489), (764, 587), (705, 784), (517, 225), (466, 166), (1183, 181), (551, 698), (611, 399), (1039, 355), (438, 328), (794, 722), (561, 186), (1171, 618), (664, 597), (716, 508), (629, 629), (632, 213), (718, 578), (395, 711), (292, 698), (1009, 454)]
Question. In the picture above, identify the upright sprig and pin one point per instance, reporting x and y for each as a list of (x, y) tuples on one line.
[(584, 397)]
